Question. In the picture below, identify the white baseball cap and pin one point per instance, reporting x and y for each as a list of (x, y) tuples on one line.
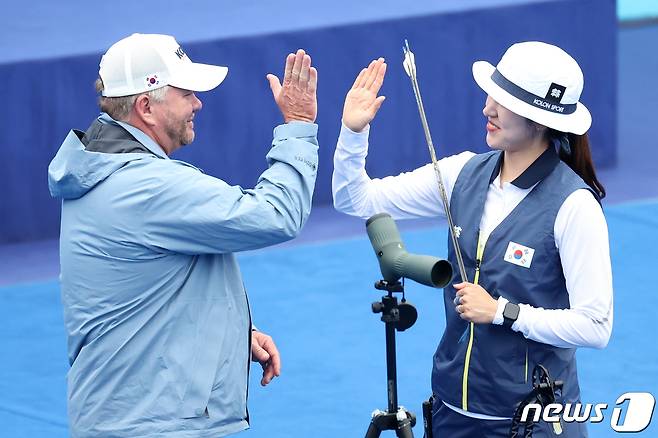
[(538, 81), (145, 62)]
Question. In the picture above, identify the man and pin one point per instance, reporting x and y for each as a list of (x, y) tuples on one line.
[(159, 329)]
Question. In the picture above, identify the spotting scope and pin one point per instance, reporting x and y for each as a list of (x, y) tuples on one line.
[(394, 260)]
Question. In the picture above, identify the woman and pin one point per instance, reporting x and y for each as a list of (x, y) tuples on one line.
[(531, 230)]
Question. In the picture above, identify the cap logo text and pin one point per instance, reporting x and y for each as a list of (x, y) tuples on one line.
[(549, 106), (180, 53)]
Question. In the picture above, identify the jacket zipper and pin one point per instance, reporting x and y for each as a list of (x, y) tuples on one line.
[(250, 329), (467, 360)]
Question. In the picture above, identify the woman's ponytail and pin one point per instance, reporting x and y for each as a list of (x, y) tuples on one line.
[(575, 152)]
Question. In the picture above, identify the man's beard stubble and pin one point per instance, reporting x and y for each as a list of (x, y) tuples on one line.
[(178, 131)]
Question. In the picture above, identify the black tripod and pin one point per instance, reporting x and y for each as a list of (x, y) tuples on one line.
[(396, 317)]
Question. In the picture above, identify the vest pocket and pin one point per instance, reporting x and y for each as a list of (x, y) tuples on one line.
[(505, 356)]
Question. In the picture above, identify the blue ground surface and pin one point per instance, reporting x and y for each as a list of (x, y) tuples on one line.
[(314, 299)]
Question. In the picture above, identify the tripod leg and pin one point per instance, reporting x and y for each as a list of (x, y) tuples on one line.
[(373, 430), (404, 430), (427, 417)]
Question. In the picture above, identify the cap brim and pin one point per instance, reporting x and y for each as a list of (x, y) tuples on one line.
[(577, 122), (198, 77)]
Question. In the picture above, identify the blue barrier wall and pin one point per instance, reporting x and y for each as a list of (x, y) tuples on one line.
[(45, 98)]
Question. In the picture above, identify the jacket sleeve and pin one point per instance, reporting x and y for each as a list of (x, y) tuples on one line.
[(193, 213)]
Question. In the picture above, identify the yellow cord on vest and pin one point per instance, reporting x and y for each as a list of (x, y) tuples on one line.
[(467, 361)]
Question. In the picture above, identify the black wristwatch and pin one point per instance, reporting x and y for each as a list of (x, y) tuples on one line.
[(510, 314)]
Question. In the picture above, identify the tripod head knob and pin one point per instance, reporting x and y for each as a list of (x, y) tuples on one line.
[(377, 307), (407, 316)]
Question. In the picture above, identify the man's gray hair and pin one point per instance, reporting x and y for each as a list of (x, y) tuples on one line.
[(119, 107)]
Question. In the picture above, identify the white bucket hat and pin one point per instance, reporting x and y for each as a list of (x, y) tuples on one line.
[(540, 82), (145, 62)]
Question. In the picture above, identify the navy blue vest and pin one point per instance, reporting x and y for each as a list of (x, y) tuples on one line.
[(490, 372)]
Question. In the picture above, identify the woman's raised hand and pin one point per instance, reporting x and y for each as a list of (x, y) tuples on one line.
[(362, 102)]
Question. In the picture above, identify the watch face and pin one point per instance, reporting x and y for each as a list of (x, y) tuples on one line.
[(511, 311)]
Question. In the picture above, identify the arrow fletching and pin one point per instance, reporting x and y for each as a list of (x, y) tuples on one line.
[(409, 62)]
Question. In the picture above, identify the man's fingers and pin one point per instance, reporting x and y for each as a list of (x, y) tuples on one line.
[(259, 354), (296, 96), (287, 72), (273, 366), (270, 370), (268, 375), (275, 85), (275, 361), (297, 66), (312, 80), (275, 357), (304, 73)]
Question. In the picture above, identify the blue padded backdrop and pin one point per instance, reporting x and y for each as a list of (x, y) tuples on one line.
[(46, 97)]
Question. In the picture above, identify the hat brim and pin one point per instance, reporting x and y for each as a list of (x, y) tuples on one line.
[(198, 77), (577, 122)]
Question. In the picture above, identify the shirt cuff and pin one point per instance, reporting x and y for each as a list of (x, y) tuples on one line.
[(347, 131), (498, 319), (352, 144)]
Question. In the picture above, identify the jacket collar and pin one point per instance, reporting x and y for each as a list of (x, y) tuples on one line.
[(137, 134), (537, 171)]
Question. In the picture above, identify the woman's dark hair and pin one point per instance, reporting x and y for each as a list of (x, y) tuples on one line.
[(577, 156)]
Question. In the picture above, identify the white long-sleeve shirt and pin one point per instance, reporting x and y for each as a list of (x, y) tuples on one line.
[(581, 236), (580, 230)]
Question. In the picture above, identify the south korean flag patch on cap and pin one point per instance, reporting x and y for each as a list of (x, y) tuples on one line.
[(519, 255)]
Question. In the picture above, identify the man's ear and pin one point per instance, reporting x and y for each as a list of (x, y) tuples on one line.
[(143, 109)]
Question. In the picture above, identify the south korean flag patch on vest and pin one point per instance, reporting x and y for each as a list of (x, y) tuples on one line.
[(519, 255)]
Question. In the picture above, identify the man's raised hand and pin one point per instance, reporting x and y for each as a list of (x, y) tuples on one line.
[(296, 98)]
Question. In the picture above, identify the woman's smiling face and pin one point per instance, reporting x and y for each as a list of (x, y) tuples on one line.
[(506, 130)]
